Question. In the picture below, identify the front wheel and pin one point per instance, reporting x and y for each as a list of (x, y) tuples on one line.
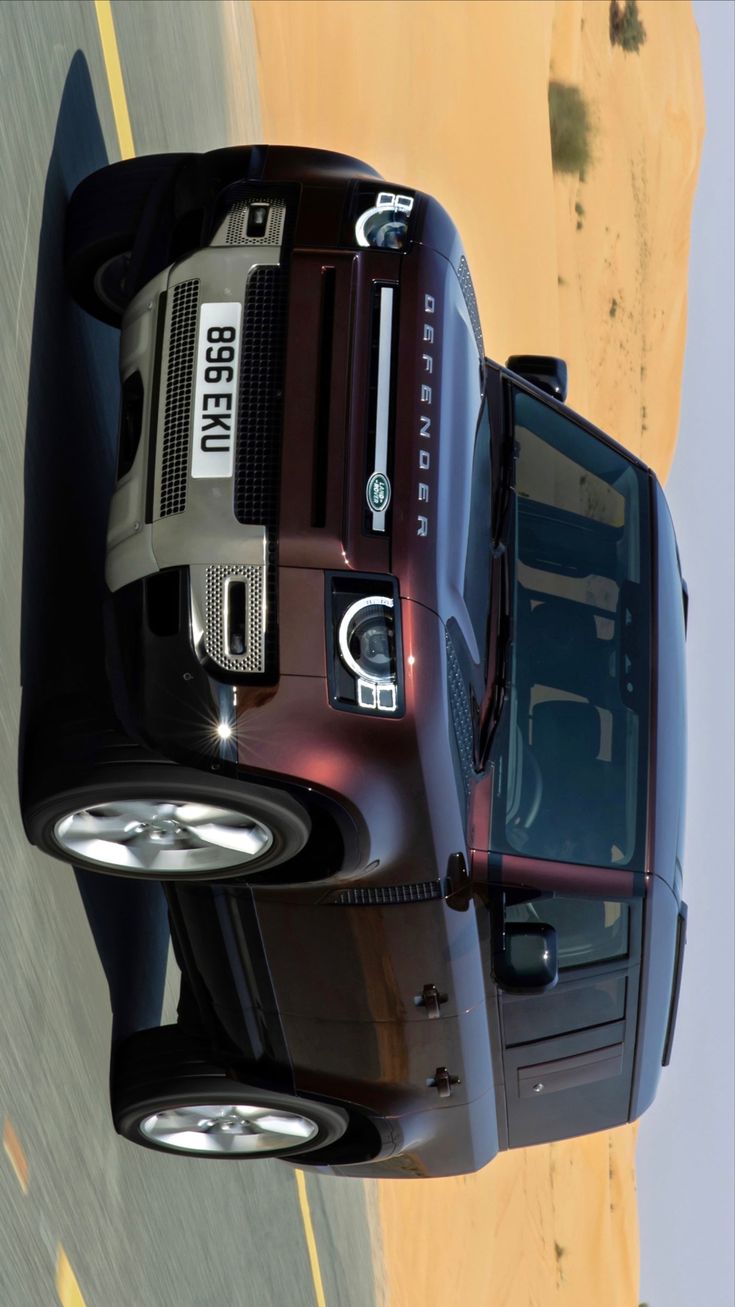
[(102, 221), (159, 821)]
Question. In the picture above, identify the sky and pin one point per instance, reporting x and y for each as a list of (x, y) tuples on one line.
[(685, 1152)]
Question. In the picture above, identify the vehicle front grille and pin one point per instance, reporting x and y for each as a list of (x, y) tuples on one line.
[(421, 891), (235, 231), (177, 407), (468, 290), (261, 392), (258, 457)]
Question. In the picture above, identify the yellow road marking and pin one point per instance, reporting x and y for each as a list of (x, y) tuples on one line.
[(70, 1295), (66, 1284), (111, 56), (316, 1273), (15, 1154)]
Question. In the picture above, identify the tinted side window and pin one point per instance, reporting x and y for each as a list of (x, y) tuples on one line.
[(572, 787), (587, 930)]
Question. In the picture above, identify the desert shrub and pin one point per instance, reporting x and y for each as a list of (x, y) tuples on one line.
[(626, 28), (569, 124)]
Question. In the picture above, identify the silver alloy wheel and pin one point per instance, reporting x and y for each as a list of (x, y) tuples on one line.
[(162, 835), (228, 1128)]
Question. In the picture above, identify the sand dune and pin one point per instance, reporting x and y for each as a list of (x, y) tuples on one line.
[(553, 1224), (623, 291), (453, 98)]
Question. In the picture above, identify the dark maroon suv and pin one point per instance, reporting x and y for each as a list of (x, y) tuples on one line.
[(397, 647)]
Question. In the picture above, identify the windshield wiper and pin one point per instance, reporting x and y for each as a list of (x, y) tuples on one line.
[(504, 476), (500, 646)]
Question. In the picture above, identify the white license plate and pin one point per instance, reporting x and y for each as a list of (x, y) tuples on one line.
[(215, 395)]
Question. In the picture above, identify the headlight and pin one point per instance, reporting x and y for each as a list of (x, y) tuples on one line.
[(367, 639), (382, 219), (366, 659)]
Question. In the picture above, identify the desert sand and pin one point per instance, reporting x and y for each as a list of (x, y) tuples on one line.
[(452, 98), (623, 287)]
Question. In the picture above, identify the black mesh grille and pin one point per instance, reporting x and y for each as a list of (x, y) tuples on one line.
[(261, 389), (459, 705), (177, 410), (259, 424), (421, 891), (468, 290)]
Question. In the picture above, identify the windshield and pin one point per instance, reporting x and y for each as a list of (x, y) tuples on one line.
[(570, 757)]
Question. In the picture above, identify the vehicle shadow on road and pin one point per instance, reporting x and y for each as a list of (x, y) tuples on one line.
[(70, 452)]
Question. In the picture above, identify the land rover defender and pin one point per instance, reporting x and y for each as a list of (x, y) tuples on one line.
[(397, 646)]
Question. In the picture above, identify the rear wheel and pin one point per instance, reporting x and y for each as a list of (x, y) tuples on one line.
[(102, 221), (159, 821), (166, 1098)]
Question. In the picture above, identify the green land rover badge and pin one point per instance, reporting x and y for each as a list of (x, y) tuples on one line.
[(378, 492)]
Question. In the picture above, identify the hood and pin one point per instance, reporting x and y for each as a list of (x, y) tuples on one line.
[(438, 400)]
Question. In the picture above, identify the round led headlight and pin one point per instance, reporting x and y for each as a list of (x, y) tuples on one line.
[(382, 229), (367, 639), (385, 225)]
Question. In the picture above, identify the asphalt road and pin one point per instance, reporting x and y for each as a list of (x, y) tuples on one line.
[(136, 1228)]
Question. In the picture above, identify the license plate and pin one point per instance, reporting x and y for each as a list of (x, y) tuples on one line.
[(215, 395)]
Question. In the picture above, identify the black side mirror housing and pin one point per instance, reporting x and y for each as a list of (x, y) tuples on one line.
[(542, 370), (528, 963)]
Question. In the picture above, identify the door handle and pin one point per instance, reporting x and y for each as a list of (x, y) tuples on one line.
[(442, 1082), (431, 999)]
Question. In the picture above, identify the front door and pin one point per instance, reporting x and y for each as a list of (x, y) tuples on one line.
[(568, 1053)]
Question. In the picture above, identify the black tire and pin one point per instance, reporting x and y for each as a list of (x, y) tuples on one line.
[(283, 818), (107, 208), (102, 220), (158, 1071)]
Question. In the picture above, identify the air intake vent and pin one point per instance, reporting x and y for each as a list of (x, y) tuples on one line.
[(470, 300), (234, 640), (177, 410), (259, 410), (422, 891), (259, 421), (459, 705)]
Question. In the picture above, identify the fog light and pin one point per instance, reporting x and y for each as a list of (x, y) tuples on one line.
[(257, 219)]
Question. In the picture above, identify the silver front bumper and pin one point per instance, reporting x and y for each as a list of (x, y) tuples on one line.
[(161, 516)]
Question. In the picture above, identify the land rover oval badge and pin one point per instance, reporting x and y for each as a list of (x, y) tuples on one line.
[(377, 492)]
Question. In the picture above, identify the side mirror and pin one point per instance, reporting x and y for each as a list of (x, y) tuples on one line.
[(528, 962), (541, 370)]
